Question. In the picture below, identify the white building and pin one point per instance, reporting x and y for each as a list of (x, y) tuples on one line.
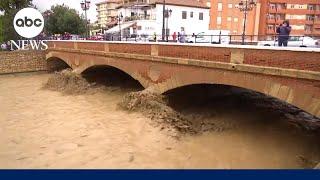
[(146, 17)]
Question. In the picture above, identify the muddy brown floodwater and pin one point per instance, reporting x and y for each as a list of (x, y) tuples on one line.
[(46, 129)]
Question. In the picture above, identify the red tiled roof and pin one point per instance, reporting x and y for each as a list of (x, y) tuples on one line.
[(109, 1), (190, 3)]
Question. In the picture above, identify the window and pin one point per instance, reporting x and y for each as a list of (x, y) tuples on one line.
[(311, 7), (308, 28), (219, 20), (229, 19), (235, 19), (270, 27), (201, 16), (272, 6), (184, 14), (219, 6), (191, 14), (230, 6)]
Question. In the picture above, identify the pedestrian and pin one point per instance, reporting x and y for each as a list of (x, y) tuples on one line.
[(283, 32), (9, 46), (3, 46), (174, 37), (155, 37), (182, 36), (179, 36)]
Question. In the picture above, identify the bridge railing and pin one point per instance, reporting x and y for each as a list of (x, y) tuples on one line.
[(263, 40)]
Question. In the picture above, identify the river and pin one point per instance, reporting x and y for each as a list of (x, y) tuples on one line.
[(46, 129)]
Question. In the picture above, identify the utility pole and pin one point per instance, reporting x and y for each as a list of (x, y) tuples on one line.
[(85, 5), (163, 20), (246, 6)]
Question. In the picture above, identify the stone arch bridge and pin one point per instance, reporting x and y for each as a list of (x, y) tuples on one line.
[(290, 74)]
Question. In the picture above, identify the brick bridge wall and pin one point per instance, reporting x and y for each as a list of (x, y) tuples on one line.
[(22, 61), (289, 75)]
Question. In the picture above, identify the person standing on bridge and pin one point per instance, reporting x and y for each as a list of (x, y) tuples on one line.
[(182, 36), (283, 32)]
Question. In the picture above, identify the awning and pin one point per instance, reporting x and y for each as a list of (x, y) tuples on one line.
[(116, 28)]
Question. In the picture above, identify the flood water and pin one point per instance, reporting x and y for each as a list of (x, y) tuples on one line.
[(46, 129)]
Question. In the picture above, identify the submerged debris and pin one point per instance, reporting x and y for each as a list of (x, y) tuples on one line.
[(68, 82), (155, 107)]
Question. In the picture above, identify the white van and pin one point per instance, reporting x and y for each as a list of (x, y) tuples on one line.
[(294, 41), (211, 36)]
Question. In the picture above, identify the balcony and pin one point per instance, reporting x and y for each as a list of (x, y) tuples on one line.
[(309, 22), (296, 1), (135, 18), (271, 31), (136, 3), (274, 21), (278, 11)]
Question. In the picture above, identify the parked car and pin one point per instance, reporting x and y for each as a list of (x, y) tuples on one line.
[(96, 38), (294, 41), (211, 36)]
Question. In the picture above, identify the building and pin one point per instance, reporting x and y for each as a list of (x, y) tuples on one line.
[(304, 17), (146, 17), (107, 13), (225, 15)]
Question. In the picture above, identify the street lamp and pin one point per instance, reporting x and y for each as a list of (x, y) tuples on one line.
[(163, 20), (85, 5), (167, 15), (119, 22), (246, 6)]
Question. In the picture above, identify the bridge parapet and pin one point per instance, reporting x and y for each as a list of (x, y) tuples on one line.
[(288, 58)]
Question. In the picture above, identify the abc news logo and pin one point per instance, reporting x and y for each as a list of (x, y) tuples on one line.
[(28, 23)]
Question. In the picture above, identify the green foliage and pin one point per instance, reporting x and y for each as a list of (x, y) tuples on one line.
[(62, 19), (10, 8)]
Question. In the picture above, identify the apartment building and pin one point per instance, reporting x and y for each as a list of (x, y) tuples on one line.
[(304, 16), (225, 15), (107, 13)]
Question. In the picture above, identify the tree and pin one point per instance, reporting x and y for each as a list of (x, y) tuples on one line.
[(10, 8), (61, 19)]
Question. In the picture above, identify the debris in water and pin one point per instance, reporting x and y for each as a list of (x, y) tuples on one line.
[(156, 107), (68, 82)]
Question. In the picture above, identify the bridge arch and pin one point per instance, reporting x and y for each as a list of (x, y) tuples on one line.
[(78, 66), (286, 92), (57, 62), (101, 73)]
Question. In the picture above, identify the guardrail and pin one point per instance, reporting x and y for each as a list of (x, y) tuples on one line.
[(269, 40), (265, 40)]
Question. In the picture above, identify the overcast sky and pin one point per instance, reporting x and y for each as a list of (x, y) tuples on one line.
[(43, 5)]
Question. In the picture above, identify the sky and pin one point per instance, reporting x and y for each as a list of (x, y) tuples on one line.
[(43, 5)]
